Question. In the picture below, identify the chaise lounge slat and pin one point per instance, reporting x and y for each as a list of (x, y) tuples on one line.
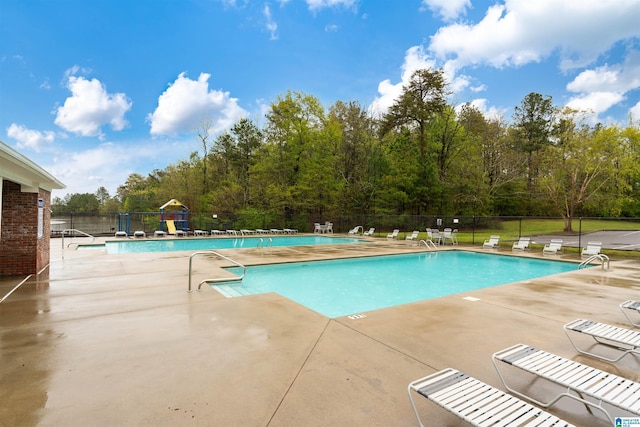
[(478, 403), (626, 341), (581, 381), (631, 306)]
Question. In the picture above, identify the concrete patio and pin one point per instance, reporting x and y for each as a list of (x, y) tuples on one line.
[(105, 340)]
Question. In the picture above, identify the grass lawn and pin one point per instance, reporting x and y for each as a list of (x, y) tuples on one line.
[(510, 230)]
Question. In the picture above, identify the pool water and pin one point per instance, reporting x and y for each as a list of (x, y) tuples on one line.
[(202, 243), (341, 287)]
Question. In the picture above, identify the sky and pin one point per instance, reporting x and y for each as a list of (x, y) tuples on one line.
[(96, 90)]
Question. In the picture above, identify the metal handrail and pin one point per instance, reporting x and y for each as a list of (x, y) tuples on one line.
[(427, 242), (93, 239), (219, 279), (261, 244), (602, 257)]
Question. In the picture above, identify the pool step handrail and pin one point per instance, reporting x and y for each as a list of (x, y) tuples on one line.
[(219, 279), (428, 243), (73, 230), (600, 257), (261, 243)]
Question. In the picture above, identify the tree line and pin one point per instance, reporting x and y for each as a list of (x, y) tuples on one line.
[(423, 157)]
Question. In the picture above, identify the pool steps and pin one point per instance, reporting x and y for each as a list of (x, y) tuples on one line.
[(230, 291)]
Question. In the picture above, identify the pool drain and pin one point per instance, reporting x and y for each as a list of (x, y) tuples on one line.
[(357, 316)]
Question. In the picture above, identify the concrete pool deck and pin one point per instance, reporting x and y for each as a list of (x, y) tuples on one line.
[(104, 340)]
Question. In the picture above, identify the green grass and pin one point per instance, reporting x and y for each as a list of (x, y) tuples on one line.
[(510, 231)]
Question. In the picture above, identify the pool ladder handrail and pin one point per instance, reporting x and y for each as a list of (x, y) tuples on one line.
[(261, 243), (93, 239), (601, 257), (429, 242), (218, 279)]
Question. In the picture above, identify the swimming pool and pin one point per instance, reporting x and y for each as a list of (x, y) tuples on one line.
[(341, 287), (130, 246)]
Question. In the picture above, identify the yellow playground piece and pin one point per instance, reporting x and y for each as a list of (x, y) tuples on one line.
[(171, 227)]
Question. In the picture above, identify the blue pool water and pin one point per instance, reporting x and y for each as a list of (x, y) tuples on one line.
[(202, 243), (340, 287)]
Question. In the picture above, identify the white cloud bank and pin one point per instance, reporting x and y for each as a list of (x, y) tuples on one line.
[(90, 107), (603, 87), (447, 9), (522, 31), (187, 103), (29, 138), (322, 4), (514, 33)]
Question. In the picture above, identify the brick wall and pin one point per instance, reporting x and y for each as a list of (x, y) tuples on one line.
[(21, 251)]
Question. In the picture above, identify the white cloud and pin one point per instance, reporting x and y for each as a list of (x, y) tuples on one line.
[(186, 103), (634, 112), (449, 10), (86, 171), (611, 78), (601, 88), (522, 31), (415, 59), (272, 26), (514, 33), (491, 113), (596, 102), (28, 138), (90, 107), (321, 4)]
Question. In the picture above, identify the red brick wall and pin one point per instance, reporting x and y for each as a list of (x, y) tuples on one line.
[(44, 243), (21, 251)]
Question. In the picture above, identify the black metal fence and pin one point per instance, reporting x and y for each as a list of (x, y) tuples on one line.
[(476, 228)]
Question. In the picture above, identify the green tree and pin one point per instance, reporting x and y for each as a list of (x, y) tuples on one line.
[(533, 125), (582, 169), (293, 142), (82, 203), (419, 104), (417, 111), (354, 139)]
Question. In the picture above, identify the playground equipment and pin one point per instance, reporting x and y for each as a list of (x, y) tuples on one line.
[(179, 218)]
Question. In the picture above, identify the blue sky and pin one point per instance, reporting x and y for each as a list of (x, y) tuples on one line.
[(94, 90)]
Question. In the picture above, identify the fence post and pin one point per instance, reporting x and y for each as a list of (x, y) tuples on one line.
[(579, 234), (519, 227), (473, 231)]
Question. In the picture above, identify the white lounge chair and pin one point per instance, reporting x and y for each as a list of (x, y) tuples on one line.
[(413, 236), (620, 339), (522, 244), (492, 242), (393, 235), (356, 230), (593, 248), (370, 232), (631, 306), (477, 402), (433, 235), (553, 247), (577, 380), (139, 234), (450, 236)]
